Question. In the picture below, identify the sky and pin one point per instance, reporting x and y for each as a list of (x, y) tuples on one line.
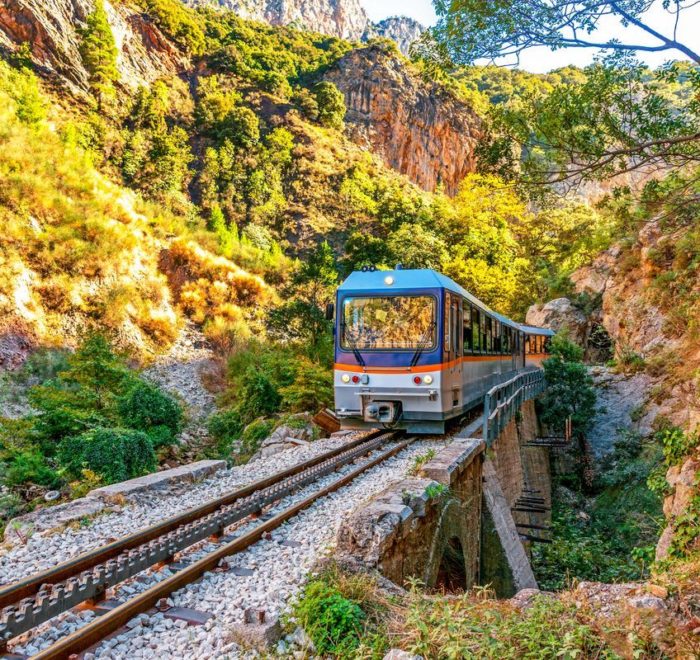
[(541, 60)]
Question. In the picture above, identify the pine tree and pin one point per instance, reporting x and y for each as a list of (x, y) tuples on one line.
[(99, 53)]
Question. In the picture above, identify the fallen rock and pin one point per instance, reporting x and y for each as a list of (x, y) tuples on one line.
[(647, 602), (260, 632)]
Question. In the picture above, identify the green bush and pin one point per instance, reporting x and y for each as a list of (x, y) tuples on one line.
[(147, 408), (254, 434), (331, 105), (111, 453), (225, 427), (29, 467), (677, 445), (311, 391), (333, 622)]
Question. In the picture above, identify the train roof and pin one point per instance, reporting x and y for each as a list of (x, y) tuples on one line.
[(373, 281), (534, 330)]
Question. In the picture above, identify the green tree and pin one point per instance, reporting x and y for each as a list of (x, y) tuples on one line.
[(331, 105), (570, 391), (311, 289), (98, 51)]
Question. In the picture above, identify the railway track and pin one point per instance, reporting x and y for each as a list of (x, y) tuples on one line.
[(85, 579)]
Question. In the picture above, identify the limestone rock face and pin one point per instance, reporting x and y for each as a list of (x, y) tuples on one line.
[(401, 29), (560, 314), (52, 29), (340, 18), (418, 128)]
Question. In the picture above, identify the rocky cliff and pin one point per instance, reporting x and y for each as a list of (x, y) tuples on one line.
[(51, 29), (401, 29), (346, 19), (417, 127), (643, 295), (341, 18)]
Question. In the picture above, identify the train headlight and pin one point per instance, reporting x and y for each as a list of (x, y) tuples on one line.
[(388, 280), (345, 378), (428, 380)]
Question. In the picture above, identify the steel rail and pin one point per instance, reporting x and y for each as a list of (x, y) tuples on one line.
[(97, 630), (92, 584), (11, 594)]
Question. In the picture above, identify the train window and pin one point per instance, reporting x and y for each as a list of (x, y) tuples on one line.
[(476, 330), (506, 340), (468, 338), (489, 335), (547, 345), (389, 323), (497, 337), (456, 322)]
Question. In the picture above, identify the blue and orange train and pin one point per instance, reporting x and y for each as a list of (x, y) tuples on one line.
[(413, 350)]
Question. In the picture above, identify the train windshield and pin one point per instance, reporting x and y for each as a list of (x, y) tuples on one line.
[(389, 323)]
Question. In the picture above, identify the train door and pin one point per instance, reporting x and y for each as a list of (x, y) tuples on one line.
[(452, 386)]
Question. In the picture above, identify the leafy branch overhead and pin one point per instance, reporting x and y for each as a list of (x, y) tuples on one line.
[(469, 30), (622, 117)]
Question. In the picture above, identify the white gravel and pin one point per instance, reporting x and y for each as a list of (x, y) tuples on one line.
[(44, 551), (279, 570)]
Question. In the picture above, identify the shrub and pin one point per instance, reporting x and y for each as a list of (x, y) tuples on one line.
[(677, 445), (113, 454), (147, 408), (29, 467), (331, 105), (254, 434), (333, 621), (225, 427), (312, 389)]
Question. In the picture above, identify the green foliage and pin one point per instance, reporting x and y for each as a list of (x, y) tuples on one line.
[(420, 461), (570, 391), (179, 22), (90, 395), (333, 621), (311, 287), (459, 627), (312, 389), (113, 454), (469, 30), (677, 445), (147, 408), (606, 537), (331, 105), (226, 428), (98, 51), (254, 434), (22, 86)]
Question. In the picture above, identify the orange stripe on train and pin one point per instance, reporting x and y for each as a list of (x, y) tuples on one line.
[(420, 369)]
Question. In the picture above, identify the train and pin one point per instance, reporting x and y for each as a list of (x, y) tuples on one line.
[(413, 350)]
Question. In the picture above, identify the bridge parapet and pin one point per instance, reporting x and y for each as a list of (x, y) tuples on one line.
[(502, 402)]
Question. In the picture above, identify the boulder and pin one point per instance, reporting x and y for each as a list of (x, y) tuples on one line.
[(287, 436), (560, 314)]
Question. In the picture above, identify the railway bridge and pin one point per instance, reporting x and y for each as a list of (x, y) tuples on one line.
[(472, 510)]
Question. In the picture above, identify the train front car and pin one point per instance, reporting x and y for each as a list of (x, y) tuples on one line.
[(388, 351), (413, 350)]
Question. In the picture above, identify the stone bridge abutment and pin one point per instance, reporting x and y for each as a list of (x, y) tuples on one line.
[(464, 519)]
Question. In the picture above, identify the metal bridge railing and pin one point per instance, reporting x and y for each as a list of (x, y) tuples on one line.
[(502, 401)]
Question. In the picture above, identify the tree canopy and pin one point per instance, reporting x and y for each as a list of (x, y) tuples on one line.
[(469, 30)]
